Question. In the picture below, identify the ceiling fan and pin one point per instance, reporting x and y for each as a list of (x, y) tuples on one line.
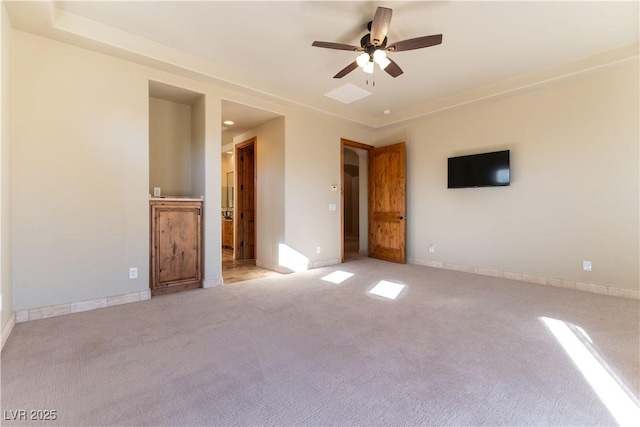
[(374, 46)]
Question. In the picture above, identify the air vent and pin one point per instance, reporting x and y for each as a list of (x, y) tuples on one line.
[(347, 93)]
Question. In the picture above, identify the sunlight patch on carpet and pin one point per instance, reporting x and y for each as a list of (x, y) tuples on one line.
[(337, 277), (387, 289), (607, 385)]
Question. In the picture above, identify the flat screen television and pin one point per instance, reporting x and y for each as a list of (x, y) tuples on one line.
[(479, 170)]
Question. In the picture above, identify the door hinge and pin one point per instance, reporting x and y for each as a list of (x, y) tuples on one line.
[(198, 212), (242, 243), (242, 215), (241, 187)]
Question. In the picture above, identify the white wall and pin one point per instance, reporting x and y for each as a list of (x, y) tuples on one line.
[(170, 147), (5, 168), (574, 190)]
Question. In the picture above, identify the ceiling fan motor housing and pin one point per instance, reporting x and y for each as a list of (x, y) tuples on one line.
[(376, 41), (365, 43)]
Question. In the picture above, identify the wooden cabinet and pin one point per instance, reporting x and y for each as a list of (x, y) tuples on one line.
[(227, 233), (176, 245)]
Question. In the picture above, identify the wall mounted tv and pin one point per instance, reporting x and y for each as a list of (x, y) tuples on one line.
[(479, 170)]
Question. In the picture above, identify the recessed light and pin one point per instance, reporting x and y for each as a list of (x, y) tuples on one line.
[(387, 111), (228, 122)]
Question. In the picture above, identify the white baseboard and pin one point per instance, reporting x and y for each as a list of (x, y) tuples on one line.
[(80, 306), (6, 329), (532, 278)]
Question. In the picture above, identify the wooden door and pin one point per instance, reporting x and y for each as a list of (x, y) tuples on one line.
[(245, 215), (387, 203)]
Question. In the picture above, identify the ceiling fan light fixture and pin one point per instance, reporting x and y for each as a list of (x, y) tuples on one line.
[(380, 58), (379, 55), (362, 60), (368, 68)]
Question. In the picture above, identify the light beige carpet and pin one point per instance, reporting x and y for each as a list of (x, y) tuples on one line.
[(452, 349)]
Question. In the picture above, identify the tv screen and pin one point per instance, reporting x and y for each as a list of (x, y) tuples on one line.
[(479, 170)]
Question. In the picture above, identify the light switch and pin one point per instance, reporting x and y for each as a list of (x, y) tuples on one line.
[(332, 207)]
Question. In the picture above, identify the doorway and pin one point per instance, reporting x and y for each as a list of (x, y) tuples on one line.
[(245, 230), (353, 224), (239, 259)]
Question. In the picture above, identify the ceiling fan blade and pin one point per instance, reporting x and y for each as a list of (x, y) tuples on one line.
[(339, 46), (380, 25), (393, 69), (346, 70), (417, 43)]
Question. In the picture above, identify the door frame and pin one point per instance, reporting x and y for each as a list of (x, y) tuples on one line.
[(238, 203), (350, 144)]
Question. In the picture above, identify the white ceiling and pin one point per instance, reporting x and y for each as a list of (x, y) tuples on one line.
[(266, 47)]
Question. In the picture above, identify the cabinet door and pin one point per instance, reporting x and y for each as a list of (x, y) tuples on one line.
[(176, 246)]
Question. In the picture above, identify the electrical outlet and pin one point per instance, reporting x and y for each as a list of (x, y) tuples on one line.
[(432, 248), (318, 250), (133, 273), (586, 265)]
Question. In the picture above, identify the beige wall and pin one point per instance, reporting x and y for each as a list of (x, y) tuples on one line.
[(312, 165), (82, 178), (170, 147), (80, 155), (80, 182), (198, 144), (5, 168), (574, 190), (270, 213)]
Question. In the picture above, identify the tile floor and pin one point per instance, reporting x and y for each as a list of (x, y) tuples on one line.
[(234, 271)]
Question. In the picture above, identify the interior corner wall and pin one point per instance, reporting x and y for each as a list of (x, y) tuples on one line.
[(6, 289), (80, 156), (170, 129), (212, 186), (312, 167), (574, 192)]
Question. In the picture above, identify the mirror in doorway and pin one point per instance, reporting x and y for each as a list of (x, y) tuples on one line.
[(230, 190)]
